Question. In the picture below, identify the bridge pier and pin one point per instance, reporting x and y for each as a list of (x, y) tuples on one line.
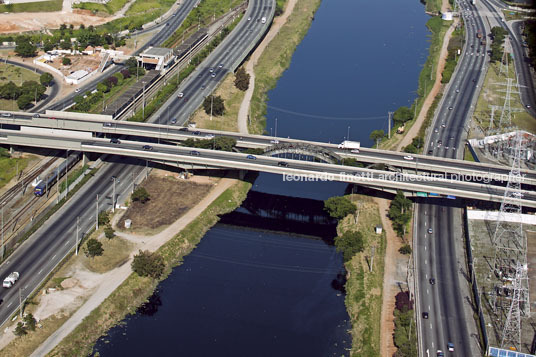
[(11, 150), (85, 158)]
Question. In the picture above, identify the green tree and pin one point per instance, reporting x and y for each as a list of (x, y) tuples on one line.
[(25, 101), (20, 330), (66, 61), (103, 88), (109, 232), (349, 244), (150, 264), (402, 115), (104, 218), (410, 149), (30, 322), (46, 79), (405, 249), (214, 105), (132, 62), (93, 248), (66, 45), (339, 207), (25, 48), (400, 213), (242, 79), (141, 195), (377, 136), (10, 91)]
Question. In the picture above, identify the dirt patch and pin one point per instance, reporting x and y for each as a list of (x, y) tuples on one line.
[(170, 199), (88, 63)]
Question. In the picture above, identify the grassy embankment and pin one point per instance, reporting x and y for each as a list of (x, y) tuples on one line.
[(18, 75), (39, 6), (135, 290), (102, 9), (364, 288), (437, 28), (8, 166), (493, 93)]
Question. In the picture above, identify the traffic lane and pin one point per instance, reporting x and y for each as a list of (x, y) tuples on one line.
[(29, 259)]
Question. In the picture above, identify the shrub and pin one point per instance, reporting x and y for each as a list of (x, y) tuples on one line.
[(141, 195), (104, 218), (66, 61), (339, 207), (150, 264), (109, 232), (405, 249), (349, 244), (93, 248)]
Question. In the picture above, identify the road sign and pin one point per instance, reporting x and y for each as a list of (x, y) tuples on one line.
[(432, 194), (450, 197), (422, 194)]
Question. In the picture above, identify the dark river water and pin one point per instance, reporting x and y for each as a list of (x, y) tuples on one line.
[(267, 281)]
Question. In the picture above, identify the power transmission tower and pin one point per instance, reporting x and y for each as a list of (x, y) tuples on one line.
[(504, 60), (506, 115), (511, 294), (512, 327)]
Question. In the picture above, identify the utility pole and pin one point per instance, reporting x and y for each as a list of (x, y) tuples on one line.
[(113, 195), (66, 173), (372, 251), (276, 127), (211, 103), (389, 124), (143, 102), (2, 252), (20, 303), (77, 231), (97, 213), (348, 135)]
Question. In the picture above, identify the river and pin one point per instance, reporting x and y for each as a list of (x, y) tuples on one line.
[(267, 281)]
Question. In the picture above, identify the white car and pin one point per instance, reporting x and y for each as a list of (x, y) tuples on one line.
[(517, 194), (275, 141), (180, 95), (408, 157), (209, 136), (355, 151)]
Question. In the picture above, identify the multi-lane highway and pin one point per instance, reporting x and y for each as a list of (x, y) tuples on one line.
[(438, 236), (41, 252)]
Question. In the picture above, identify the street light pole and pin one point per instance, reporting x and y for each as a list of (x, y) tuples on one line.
[(77, 230), (97, 213), (348, 136), (113, 196), (2, 252), (143, 102), (275, 127), (211, 102)]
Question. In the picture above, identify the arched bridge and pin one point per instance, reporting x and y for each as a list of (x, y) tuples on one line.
[(319, 153)]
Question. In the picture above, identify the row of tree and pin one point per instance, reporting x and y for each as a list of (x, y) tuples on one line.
[(498, 35), (405, 336), (222, 143), (400, 213), (25, 95)]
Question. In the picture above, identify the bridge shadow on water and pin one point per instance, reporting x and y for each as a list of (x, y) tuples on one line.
[(276, 213)]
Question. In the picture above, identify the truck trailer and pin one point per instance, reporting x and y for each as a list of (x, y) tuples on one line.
[(350, 145)]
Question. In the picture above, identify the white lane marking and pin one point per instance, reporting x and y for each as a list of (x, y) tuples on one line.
[(40, 271), (427, 291), (9, 304), (425, 223), (66, 243), (26, 287), (432, 345), (424, 247), (426, 275), (54, 256), (431, 329), (425, 261), (429, 307)]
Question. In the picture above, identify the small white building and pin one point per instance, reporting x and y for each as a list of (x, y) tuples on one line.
[(157, 58), (77, 77), (378, 229), (447, 16)]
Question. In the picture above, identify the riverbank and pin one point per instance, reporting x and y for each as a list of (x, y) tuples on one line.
[(364, 285)]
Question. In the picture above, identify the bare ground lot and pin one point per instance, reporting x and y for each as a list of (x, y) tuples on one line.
[(170, 198)]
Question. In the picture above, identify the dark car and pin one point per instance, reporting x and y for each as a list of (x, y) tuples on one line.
[(251, 157), (430, 152), (440, 353), (432, 281), (115, 141), (425, 315), (147, 147), (195, 153), (183, 129), (197, 132), (36, 116), (282, 163), (430, 231), (173, 121)]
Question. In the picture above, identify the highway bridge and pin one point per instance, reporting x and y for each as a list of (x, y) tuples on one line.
[(190, 158), (102, 124)]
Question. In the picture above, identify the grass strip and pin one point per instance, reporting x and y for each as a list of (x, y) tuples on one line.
[(72, 177), (110, 7), (135, 290), (38, 6)]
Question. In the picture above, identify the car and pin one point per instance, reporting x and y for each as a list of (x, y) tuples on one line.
[(209, 136), (457, 91), (7, 115), (203, 86), (440, 353), (430, 152), (478, 51), (408, 157), (77, 90), (436, 130), (472, 46), (354, 151), (195, 153), (430, 231), (180, 95), (527, 106), (251, 157), (220, 65), (211, 69), (197, 132), (450, 346), (183, 129), (249, 18), (425, 315), (200, 75), (432, 281), (147, 147), (517, 194), (36, 115), (450, 108), (173, 15), (213, 75), (167, 23), (282, 164), (443, 125), (173, 121), (108, 125), (474, 80), (439, 143), (115, 141), (274, 141)]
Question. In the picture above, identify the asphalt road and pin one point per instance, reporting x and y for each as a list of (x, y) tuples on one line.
[(36, 258), (440, 254)]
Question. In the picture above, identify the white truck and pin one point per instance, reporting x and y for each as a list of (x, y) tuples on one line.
[(11, 280), (350, 145), (263, 20)]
